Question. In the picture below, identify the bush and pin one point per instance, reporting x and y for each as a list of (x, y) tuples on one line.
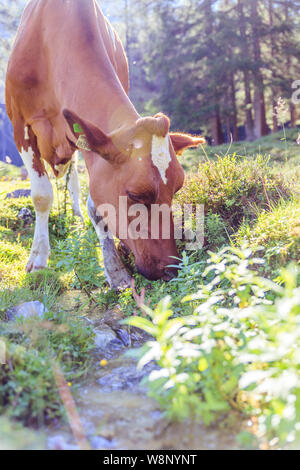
[(278, 231), (9, 211), (28, 390), (233, 190), (78, 253), (27, 385), (239, 348)]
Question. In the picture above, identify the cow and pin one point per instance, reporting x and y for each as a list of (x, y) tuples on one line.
[(67, 88)]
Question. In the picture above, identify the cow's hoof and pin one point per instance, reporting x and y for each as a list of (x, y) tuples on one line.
[(37, 262), (33, 267)]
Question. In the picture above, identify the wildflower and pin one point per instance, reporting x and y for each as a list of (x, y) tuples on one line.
[(70, 384), (103, 363), (281, 111)]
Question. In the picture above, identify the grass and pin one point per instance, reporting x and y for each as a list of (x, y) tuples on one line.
[(234, 189), (278, 230), (280, 150), (250, 192)]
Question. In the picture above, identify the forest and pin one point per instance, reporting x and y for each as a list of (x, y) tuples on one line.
[(219, 67)]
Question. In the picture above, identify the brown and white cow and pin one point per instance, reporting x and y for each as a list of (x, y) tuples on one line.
[(68, 67)]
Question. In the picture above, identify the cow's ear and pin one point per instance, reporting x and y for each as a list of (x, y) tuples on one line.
[(183, 141), (90, 137)]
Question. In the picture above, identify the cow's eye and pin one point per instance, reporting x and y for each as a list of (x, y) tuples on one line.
[(148, 197), (134, 197)]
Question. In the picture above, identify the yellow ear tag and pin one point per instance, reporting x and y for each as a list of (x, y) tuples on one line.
[(82, 143)]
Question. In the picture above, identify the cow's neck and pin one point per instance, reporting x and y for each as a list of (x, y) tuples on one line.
[(105, 105), (88, 80)]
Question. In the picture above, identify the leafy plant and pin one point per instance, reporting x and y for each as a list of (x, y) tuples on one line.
[(232, 189), (278, 231), (243, 335), (28, 390)]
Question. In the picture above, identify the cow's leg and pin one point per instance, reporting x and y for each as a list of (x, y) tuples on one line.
[(74, 187), (115, 271), (42, 196)]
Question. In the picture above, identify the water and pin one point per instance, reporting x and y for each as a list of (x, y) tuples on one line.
[(113, 405)]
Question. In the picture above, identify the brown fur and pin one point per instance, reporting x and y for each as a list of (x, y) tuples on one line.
[(65, 68)]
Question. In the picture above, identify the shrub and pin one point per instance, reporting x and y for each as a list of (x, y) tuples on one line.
[(27, 385), (278, 231), (233, 190), (28, 390), (9, 211), (78, 253), (242, 339)]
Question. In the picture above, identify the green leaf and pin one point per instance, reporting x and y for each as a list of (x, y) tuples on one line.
[(143, 324)]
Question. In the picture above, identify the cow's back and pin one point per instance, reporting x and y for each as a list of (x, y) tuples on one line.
[(63, 50)]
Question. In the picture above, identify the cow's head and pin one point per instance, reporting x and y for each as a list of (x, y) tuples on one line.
[(138, 163)]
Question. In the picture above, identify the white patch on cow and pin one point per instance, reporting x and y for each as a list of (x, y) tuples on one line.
[(161, 155), (42, 196), (26, 133), (74, 187), (114, 270)]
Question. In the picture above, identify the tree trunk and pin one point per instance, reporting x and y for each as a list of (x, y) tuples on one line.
[(249, 124), (215, 121), (273, 52), (260, 124), (235, 132), (293, 111), (216, 129)]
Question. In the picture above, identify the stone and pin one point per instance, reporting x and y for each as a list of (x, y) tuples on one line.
[(26, 216), (126, 377), (103, 337), (26, 310)]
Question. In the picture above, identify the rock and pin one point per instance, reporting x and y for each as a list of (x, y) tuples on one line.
[(124, 336), (26, 310), (18, 193), (125, 378), (26, 216), (103, 337), (128, 336)]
